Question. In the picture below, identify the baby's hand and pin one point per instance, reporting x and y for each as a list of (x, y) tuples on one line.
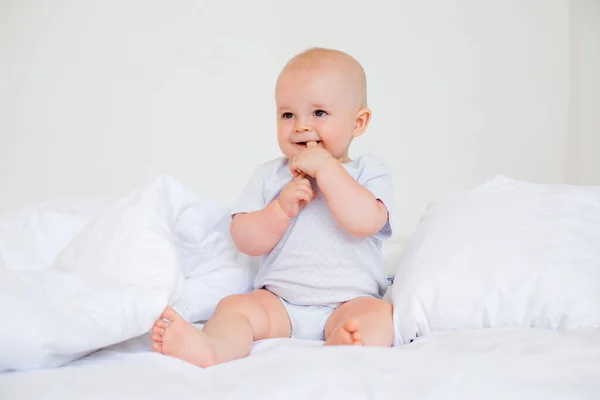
[(313, 158), (295, 195)]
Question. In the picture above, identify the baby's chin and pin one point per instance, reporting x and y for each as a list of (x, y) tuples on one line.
[(290, 155), (291, 151)]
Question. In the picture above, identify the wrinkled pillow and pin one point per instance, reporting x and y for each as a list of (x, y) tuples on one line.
[(505, 254)]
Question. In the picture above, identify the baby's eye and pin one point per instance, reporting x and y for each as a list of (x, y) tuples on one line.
[(287, 115), (320, 113)]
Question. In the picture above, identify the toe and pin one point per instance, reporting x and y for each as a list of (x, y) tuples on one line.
[(157, 347), (158, 330), (356, 336), (161, 323), (351, 325), (170, 315), (157, 338)]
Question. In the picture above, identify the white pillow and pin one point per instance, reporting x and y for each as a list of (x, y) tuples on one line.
[(508, 253)]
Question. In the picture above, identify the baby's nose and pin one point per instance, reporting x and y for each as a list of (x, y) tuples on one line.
[(302, 126)]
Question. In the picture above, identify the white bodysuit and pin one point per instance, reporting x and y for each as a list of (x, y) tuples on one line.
[(317, 263)]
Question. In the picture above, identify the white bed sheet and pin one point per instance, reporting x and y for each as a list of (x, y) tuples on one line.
[(487, 363)]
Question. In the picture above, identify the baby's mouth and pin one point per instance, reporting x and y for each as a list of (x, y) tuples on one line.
[(303, 144)]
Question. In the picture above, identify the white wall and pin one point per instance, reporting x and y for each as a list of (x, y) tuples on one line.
[(96, 98), (584, 150)]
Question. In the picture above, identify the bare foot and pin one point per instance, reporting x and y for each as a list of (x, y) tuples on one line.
[(346, 334), (178, 338)]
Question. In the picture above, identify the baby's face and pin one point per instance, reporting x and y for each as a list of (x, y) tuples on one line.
[(314, 105)]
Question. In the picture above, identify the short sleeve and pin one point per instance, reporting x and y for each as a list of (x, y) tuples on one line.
[(377, 178), (252, 197)]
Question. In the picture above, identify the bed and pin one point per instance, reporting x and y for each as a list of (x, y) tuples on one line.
[(476, 364), (511, 312)]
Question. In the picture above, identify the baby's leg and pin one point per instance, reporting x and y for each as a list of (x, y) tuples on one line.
[(362, 321), (237, 322)]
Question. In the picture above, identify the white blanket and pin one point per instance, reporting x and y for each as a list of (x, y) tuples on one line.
[(161, 245), (516, 364)]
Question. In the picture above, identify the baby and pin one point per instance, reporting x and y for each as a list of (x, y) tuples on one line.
[(318, 220)]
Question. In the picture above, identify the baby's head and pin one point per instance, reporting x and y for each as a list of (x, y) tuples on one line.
[(321, 95)]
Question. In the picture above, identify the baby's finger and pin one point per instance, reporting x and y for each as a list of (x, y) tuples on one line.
[(294, 168), (301, 175), (302, 181), (312, 144), (304, 195), (308, 192)]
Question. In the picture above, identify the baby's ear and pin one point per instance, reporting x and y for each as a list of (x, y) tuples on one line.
[(363, 117)]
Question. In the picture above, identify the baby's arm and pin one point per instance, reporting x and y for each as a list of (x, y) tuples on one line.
[(256, 233), (353, 206)]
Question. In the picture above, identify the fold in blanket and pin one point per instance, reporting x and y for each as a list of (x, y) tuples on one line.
[(162, 245)]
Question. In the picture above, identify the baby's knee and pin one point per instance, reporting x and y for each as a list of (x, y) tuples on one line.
[(231, 301), (237, 302)]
